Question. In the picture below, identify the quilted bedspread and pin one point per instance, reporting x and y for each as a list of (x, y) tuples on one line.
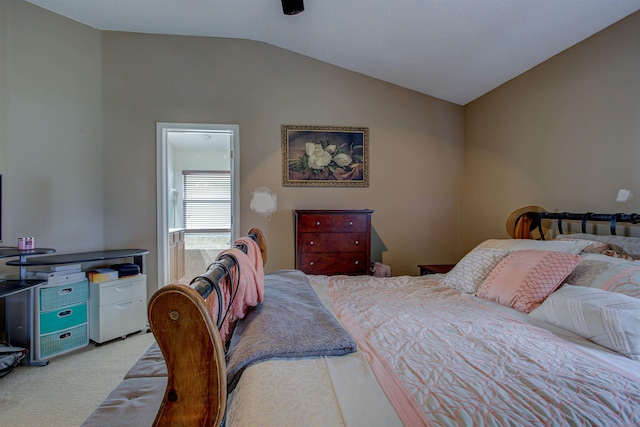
[(466, 362)]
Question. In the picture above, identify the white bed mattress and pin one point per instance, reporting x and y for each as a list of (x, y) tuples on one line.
[(579, 383)]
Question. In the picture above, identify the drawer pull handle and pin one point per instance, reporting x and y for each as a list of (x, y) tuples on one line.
[(357, 242), (318, 223), (65, 335), (357, 262), (311, 243), (65, 291), (65, 313), (124, 304), (350, 223), (311, 263), (123, 287)]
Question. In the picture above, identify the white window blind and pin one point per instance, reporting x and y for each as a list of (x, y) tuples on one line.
[(207, 200)]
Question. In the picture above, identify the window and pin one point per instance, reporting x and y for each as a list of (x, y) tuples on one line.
[(206, 200)]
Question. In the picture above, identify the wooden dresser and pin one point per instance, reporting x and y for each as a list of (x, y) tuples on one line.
[(333, 241)]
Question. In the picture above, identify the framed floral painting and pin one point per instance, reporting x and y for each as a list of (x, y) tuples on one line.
[(325, 156)]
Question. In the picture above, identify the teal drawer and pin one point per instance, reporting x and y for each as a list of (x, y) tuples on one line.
[(63, 341), (63, 318), (52, 297)]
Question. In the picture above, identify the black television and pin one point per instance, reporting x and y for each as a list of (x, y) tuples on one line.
[(0, 207)]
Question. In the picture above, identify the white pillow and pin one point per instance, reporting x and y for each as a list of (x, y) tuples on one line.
[(594, 247), (470, 271), (607, 273), (609, 319), (569, 246), (622, 245)]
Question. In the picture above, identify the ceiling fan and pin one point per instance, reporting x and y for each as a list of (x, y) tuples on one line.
[(292, 7)]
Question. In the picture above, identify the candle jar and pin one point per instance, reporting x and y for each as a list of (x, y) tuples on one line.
[(26, 243)]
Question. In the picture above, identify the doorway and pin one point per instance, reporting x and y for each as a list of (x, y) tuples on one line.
[(198, 194)]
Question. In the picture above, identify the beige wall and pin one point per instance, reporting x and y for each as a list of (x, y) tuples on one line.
[(415, 140), (564, 135), (51, 138), (79, 149), (78, 145), (50, 132), (4, 64)]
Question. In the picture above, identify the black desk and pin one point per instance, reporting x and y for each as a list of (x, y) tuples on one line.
[(80, 257), (7, 252), (23, 254), (10, 287), (20, 311)]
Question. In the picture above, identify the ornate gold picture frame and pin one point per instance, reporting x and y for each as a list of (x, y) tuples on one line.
[(325, 156)]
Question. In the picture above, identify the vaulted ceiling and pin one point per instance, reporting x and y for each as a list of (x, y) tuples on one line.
[(456, 50)]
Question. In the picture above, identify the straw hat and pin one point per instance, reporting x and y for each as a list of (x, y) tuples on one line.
[(512, 221)]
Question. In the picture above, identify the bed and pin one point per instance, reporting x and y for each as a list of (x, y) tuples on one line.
[(520, 332)]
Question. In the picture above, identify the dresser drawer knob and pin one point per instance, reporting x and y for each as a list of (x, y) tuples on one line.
[(357, 262), (311, 263), (350, 222), (311, 243), (357, 242), (318, 223)]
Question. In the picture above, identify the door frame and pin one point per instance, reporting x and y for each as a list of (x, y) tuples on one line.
[(162, 128)]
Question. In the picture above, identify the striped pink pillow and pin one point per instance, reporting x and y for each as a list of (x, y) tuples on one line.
[(524, 279)]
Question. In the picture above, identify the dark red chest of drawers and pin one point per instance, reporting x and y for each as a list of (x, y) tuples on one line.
[(333, 241)]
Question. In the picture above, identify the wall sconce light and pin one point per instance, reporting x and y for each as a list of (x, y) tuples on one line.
[(292, 7)]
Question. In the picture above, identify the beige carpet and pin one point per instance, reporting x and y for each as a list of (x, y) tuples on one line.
[(66, 391)]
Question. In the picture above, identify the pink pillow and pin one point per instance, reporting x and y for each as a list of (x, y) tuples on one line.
[(523, 279)]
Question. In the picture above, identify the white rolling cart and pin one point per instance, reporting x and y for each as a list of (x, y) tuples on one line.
[(118, 308)]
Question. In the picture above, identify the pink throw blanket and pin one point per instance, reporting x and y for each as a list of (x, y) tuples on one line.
[(248, 286)]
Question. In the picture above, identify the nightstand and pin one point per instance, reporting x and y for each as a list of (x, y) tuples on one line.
[(435, 268)]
